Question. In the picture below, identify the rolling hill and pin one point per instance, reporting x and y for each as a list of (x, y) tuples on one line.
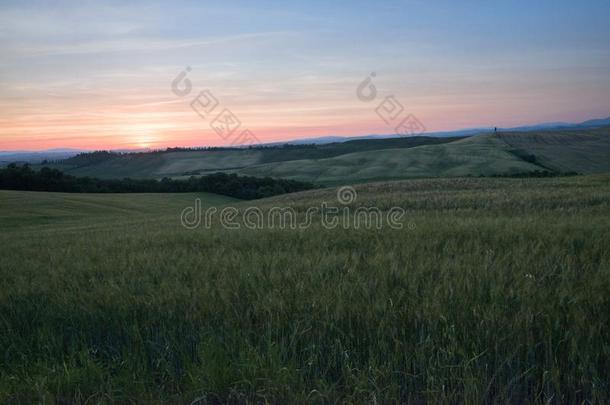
[(581, 151), (483, 155), (194, 162)]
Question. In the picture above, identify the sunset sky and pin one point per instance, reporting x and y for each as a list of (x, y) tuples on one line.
[(86, 75)]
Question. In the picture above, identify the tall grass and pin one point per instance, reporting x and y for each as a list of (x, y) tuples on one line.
[(497, 291)]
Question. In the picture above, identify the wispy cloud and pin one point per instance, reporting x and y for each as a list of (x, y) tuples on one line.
[(87, 73), (99, 46)]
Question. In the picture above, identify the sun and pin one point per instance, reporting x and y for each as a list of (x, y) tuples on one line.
[(144, 143), (141, 136)]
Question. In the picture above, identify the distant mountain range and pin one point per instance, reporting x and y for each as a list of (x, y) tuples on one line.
[(331, 139), (65, 153), (36, 157), (595, 123)]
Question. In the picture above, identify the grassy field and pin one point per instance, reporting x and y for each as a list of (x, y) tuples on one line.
[(185, 163), (495, 290), (583, 151), (481, 155), (33, 212)]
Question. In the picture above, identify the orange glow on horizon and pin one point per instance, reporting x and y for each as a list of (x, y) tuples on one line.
[(136, 121)]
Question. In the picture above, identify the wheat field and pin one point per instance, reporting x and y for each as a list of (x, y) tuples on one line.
[(494, 290)]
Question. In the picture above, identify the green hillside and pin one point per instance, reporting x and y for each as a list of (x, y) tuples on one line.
[(481, 155), (582, 151), (186, 163)]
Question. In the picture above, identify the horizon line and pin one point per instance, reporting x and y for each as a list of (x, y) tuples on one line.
[(558, 124)]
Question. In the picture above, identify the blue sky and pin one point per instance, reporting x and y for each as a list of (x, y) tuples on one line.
[(98, 74)]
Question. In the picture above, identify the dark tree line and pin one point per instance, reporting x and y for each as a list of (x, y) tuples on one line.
[(90, 158), (15, 177)]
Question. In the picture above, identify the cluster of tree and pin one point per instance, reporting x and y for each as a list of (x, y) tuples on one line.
[(90, 158), (101, 155), (528, 157), (15, 177)]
